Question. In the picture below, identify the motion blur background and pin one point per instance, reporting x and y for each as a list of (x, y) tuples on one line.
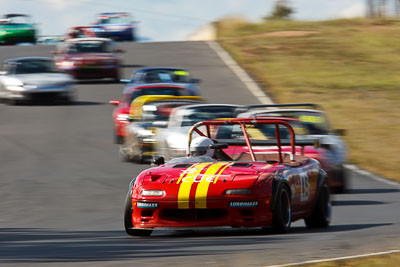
[(172, 20)]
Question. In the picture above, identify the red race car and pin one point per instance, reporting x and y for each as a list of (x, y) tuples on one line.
[(120, 114), (210, 189), (89, 58)]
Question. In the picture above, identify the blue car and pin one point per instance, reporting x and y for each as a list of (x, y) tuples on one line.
[(117, 25), (170, 75)]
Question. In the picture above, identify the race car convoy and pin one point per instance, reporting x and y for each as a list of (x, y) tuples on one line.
[(217, 164)]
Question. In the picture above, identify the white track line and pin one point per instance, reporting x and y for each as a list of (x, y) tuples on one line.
[(372, 176), (264, 99), (336, 259), (241, 73)]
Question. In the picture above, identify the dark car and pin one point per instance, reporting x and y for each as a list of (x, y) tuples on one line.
[(164, 75), (89, 58), (117, 25)]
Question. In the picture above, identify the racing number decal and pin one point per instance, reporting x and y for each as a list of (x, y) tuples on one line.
[(305, 187), (190, 176)]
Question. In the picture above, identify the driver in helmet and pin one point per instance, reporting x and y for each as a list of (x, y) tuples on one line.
[(200, 146), (200, 151)]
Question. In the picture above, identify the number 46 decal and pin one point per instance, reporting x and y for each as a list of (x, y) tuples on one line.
[(305, 187)]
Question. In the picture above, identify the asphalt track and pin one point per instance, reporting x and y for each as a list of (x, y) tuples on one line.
[(62, 186)]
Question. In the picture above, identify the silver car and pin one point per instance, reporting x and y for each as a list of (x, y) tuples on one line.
[(34, 78), (312, 124), (172, 141)]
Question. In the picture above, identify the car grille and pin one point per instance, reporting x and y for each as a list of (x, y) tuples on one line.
[(184, 215)]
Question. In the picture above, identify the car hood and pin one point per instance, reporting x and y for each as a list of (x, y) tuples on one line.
[(210, 180), (43, 79)]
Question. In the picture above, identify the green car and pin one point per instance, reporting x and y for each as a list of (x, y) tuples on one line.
[(16, 28)]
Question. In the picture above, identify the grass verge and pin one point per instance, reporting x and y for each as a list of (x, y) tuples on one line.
[(350, 67), (388, 260)]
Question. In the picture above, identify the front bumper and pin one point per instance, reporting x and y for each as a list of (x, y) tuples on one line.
[(93, 72), (48, 93), (168, 216)]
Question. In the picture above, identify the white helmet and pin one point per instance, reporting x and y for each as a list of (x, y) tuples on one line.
[(200, 146)]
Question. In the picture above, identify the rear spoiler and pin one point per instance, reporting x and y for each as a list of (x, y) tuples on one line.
[(291, 105)]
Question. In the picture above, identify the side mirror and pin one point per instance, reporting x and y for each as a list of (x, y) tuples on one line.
[(219, 146), (114, 102), (195, 80), (124, 81), (340, 132), (157, 160)]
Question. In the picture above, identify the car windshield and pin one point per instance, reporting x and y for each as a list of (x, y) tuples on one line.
[(194, 115), (90, 47), (114, 20), (17, 20), (160, 111), (166, 75), (175, 91), (35, 66), (310, 123)]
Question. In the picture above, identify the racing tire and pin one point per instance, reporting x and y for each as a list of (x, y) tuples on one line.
[(342, 177), (282, 217), (12, 102), (322, 213), (128, 221)]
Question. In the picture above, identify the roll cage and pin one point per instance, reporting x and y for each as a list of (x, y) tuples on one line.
[(277, 121)]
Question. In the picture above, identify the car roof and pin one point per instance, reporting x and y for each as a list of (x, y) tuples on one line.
[(77, 40), (151, 85), (18, 59), (209, 105), (15, 15), (264, 111), (159, 68), (113, 13)]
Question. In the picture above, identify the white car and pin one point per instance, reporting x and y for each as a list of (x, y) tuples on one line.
[(172, 141), (34, 78)]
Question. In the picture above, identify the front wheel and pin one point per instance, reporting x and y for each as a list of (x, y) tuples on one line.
[(322, 213), (283, 213), (128, 221)]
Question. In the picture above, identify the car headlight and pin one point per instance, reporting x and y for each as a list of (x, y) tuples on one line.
[(152, 193), (30, 86), (240, 191), (67, 64), (122, 117)]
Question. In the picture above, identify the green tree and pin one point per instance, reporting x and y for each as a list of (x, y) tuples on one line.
[(282, 10)]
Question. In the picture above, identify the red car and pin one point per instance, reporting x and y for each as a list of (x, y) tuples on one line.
[(89, 58), (213, 190), (120, 114), (85, 31)]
